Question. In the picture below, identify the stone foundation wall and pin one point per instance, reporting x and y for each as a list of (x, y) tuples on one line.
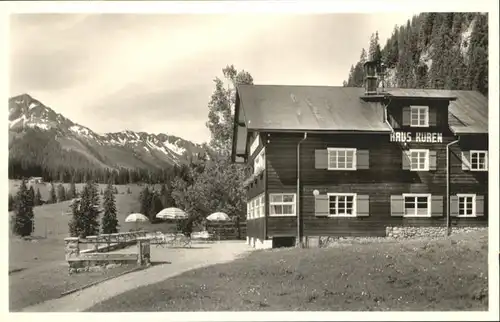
[(392, 234), (405, 232)]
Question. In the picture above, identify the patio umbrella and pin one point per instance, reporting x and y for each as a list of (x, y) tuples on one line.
[(136, 217), (218, 216), (172, 213)]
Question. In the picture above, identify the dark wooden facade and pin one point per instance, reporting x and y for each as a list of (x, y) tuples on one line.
[(383, 176)]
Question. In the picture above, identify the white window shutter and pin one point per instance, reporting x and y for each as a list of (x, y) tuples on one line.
[(466, 160), (479, 206)]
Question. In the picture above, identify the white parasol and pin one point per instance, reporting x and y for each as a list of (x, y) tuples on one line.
[(218, 216), (172, 213), (136, 217)]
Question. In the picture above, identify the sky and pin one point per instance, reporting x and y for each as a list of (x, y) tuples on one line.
[(155, 72)]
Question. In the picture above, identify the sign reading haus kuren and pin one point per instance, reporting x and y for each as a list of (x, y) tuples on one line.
[(419, 137)]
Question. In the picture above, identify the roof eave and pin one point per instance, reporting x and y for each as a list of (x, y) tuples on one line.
[(320, 131), (460, 132), (450, 98)]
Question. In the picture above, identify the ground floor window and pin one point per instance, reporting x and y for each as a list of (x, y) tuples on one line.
[(417, 205), (466, 205), (342, 204), (282, 204)]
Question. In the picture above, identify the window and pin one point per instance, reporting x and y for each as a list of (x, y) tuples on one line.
[(479, 160), (419, 160), (341, 159), (466, 205), (260, 161), (417, 205), (262, 205), (282, 204), (342, 205), (419, 116), (255, 207)]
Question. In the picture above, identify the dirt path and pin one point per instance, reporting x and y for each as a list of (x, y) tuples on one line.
[(179, 261)]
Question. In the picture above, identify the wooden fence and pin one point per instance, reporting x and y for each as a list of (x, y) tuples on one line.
[(227, 230)]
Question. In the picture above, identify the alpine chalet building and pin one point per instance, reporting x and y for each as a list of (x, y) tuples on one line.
[(343, 161)]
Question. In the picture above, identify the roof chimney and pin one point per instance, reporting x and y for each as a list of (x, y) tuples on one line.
[(371, 78)]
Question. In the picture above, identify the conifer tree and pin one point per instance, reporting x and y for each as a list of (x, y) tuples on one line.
[(155, 206), (53, 197), (11, 202), (32, 196), (86, 212), (72, 190), (61, 193), (109, 222), (23, 217), (128, 190), (145, 201), (38, 197)]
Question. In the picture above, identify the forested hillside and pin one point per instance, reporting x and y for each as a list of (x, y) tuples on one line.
[(433, 50)]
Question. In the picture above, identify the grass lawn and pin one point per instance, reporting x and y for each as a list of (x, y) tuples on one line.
[(51, 227), (30, 287), (446, 274), (39, 271)]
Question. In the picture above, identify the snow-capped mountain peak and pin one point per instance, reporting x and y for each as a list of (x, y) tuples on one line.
[(119, 149)]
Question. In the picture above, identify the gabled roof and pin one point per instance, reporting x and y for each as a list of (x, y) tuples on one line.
[(313, 108), (468, 114), (329, 108)]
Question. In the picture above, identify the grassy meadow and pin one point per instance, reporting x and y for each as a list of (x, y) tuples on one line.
[(414, 275), (37, 267), (51, 226)]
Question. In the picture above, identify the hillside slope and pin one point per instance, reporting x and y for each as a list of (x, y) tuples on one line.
[(41, 138), (433, 50)]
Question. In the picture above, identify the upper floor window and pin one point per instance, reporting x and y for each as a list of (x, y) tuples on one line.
[(419, 116), (260, 161), (419, 160), (479, 160), (341, 159)]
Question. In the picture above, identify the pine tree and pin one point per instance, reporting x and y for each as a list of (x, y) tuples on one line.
[(477, 71), (109, 221), (129, 191), (72, 190), (163, 195), (11, 202), (374, 51), (115, 190), (155, 206), (61, 193), (38, 197), (86, 212), (23, 217), (145, 201), (53, 197), (32, 196)]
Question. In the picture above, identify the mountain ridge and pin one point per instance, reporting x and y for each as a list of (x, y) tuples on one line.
[(29, 117)]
